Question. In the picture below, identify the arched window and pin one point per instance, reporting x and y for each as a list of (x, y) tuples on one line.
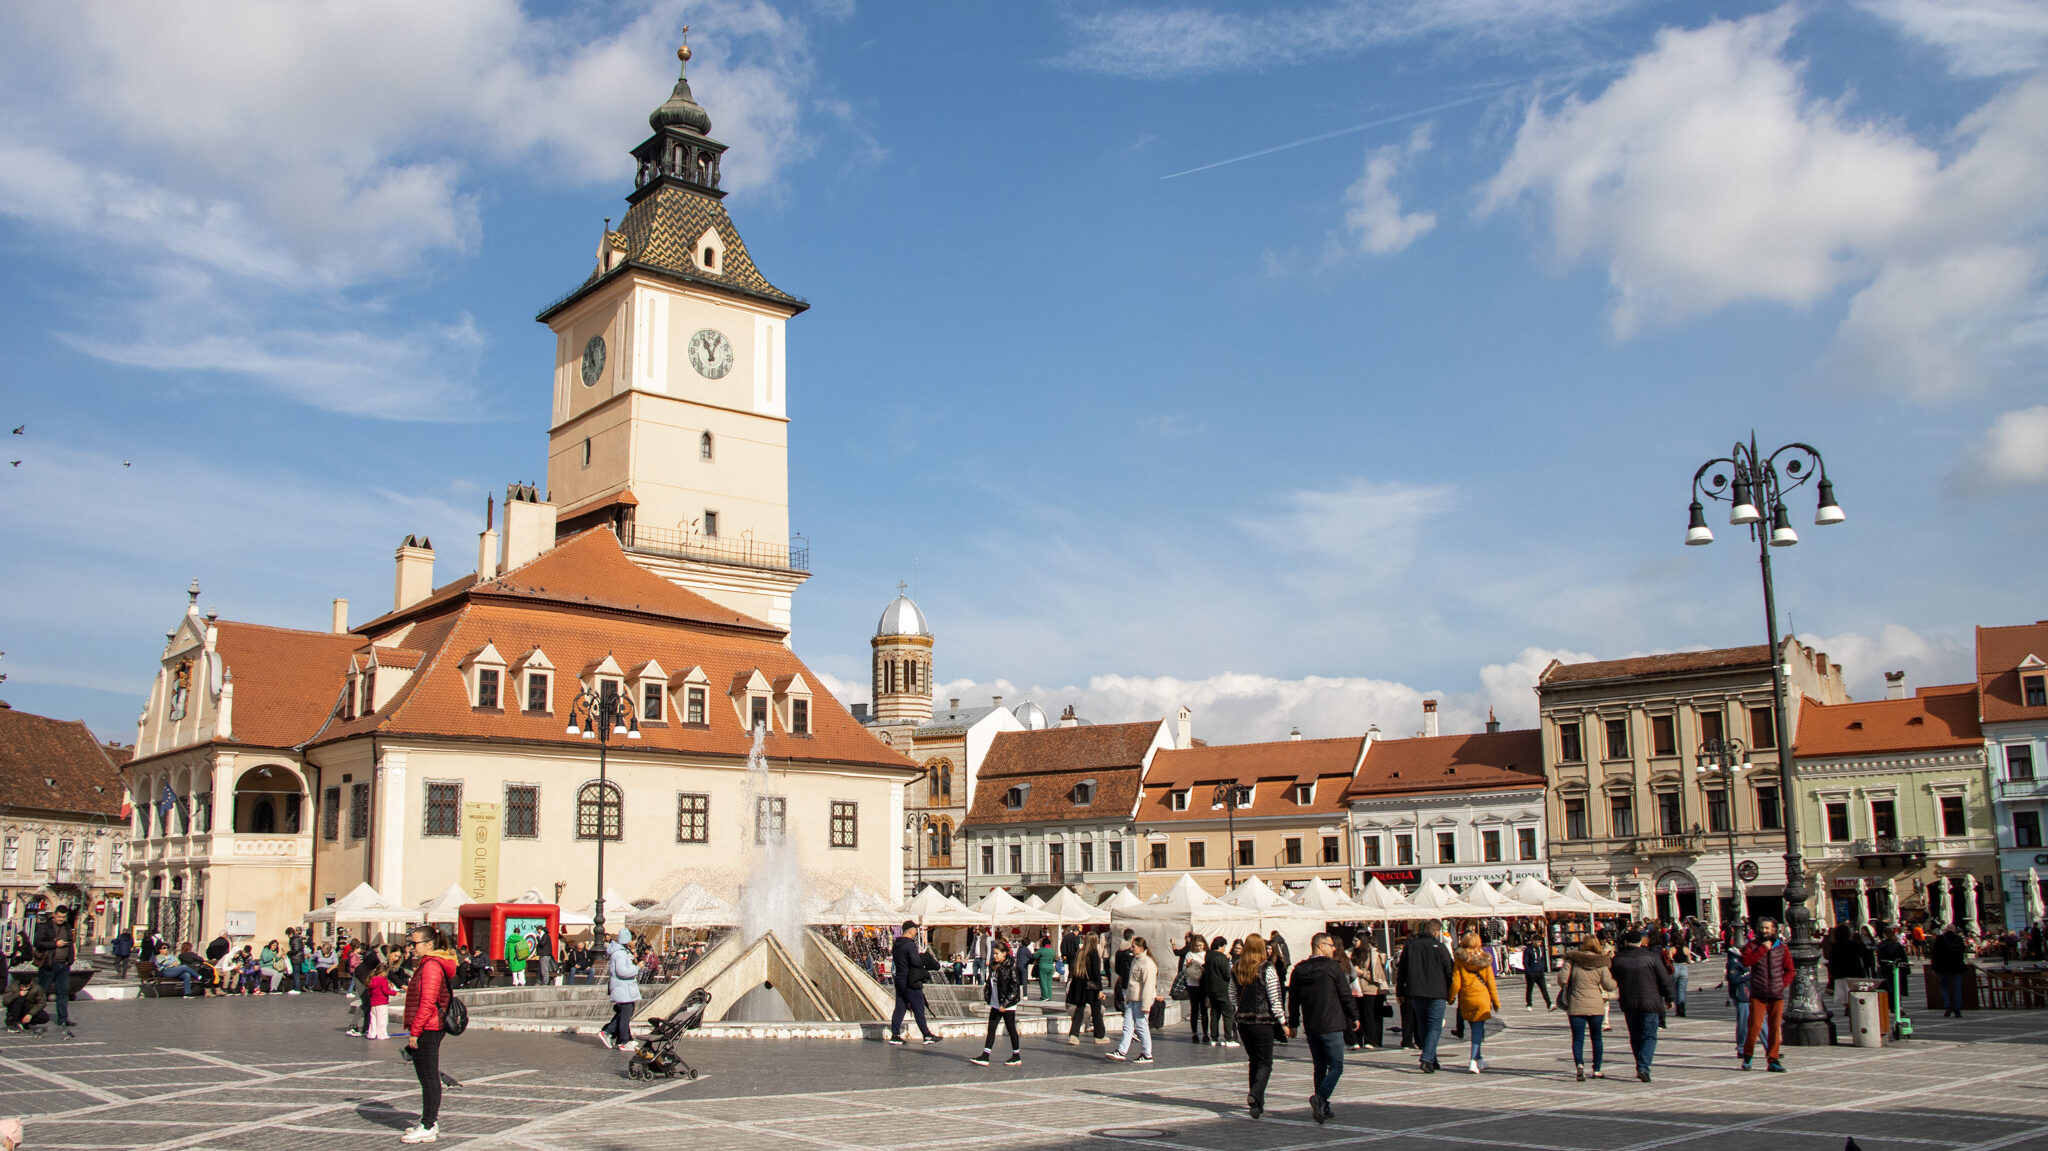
[(264, 820), (600, 803), (711, 257), (940, 780), (942, 842), (704, 449)]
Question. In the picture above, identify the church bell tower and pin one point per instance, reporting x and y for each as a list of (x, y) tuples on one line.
[(670, 420)]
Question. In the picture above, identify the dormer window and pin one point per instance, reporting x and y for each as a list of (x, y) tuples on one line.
[(1177, 800), (1084, 793), (609, 691), (369, 690), (651, 702), (487, 687), (1304, 794), (799, 717), (2034, 689), (1014, 798), (711, 257), (348, 699), (484, 670), (694, 709), (757, 713), (537, 691)]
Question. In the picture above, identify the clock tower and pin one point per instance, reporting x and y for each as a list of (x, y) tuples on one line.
[(670, 421)]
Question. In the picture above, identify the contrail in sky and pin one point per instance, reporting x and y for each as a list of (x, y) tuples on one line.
[(1368, 125)]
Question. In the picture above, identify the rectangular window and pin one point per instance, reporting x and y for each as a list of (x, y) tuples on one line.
[(444, 809), (1371, 852), (771, 818), (1525, 843), (42, 855), (1569, 747), (1293, 851), (1711, 727), (10, 854), (693, 705), (1198, 853), (651, 702), (2035, 690), (1838, 822), (1953, 822), (1116, 855), (67, 852), (1575, 819), (1304, 794), (846, 823), (92, 857), (1016, 859), (1177, 800), (1087, 857), (1446, 847), (1717, 811), (1404, 851), (536, 692), (1617, 739), (1768, 815), (757, 717), (1663, 735), (2026, 831), (1489, 846), (1333, 849), (359, 811), (487, 687), (799, 717), (114, 856), (1246, 857), (1670, 819), (2019, 762), (988, 859), (1158, 856), (1621, 811), (522, 811), (369, 691), (330, 814), (1763, 729), (710, 524), (1014, 799), (1884, 819)]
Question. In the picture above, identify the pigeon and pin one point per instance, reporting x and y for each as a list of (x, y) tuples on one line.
[(16, 463), (126, 464), (1851, 1146), (20, 428)]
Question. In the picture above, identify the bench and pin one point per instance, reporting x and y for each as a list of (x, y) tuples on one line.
[(154, 986)]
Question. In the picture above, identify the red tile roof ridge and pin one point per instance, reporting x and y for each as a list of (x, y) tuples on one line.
[(83, 777), (1673, 663), (1941, 719)]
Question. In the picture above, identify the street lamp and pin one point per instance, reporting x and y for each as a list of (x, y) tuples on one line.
[(1227, 798), (1754, 486), (915, 823), (600, 715), (1727, 756)]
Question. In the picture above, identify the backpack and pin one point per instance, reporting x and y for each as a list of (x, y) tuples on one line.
[(454, 1016)]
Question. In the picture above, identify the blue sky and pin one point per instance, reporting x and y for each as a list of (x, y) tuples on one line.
[(1290, 362)]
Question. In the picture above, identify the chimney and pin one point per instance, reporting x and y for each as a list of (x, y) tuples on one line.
[(1184, 728), (1429, 727), (415, 572), (1492, 724), (340, 624), (996, 700), (860, 713), (486, 553), (953, 705), (1068, 718), (1895, 685), (1294, 734), (529, 526)]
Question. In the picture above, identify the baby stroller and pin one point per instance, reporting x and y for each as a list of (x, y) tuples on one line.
[(657, 1055)]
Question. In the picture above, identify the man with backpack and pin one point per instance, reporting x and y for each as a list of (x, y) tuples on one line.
[(517, 951)]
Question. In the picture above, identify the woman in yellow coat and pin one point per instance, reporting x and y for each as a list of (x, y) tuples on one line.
[(1475, 992)]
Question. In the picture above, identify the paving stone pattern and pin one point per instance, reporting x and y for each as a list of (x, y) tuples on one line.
[(278, 1073)]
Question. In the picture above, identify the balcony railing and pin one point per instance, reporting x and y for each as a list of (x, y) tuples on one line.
[(1668, 845), (1892, 845), (738, 550), (2022, 788)]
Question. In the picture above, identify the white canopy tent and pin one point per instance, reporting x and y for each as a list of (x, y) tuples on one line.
[(1432, 901), (1497, 906), (1034, 900), (1074, 910), (1001, 909), (445, 907), (1379, 903), (616, 908), (934, 908), (1124, 897), (1182, 908), (691, 907), (858, 907), (1295, 923), (1335, 906), (1576, 889), (364, 906)]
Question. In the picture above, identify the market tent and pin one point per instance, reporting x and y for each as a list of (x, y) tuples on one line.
[(1334, 904), (616, 908), (1495, 905), (1182, 908), (1124, 897), (858, 907), (1576, 889), (365, 906), (934, 908), (1295, 923), (1001, 909), (1379, 903), (1432, 901), (1034, 900), (1534, 890), (1074, 910), (443, 908), (690, 907)]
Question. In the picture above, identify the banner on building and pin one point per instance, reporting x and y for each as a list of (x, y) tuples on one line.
[(480, 851)]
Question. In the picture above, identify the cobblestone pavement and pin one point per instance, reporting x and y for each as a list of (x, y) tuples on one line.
[(278, 1073)]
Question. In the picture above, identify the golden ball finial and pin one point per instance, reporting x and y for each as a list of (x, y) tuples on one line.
[(683, 53)]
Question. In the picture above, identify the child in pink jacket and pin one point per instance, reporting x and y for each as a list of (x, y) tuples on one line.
[(380, 999)]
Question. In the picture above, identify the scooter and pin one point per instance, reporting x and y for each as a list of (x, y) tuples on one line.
[(1902, 1027)]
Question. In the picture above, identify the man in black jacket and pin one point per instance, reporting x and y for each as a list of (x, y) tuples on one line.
[(911, 964), (1319, 1001), (1424, 979), (55, 949), (1647, 992)]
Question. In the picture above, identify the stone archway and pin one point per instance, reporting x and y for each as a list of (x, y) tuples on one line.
[(268, 801)]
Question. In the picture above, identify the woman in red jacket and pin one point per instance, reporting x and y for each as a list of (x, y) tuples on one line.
[(432, 982)]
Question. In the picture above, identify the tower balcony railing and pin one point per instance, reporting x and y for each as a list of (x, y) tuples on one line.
[(738, 550)]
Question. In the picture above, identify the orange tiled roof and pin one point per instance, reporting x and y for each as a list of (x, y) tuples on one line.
[(1671, 663), (1052, 761), (82, 779), (1936, 717), (1271, 768), (287, 681), (1999, 652), (1451, 763)]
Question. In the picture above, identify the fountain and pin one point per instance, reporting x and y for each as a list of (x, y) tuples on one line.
[(772, 896)]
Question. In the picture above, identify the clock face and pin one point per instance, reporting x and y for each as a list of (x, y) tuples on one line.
[(593, 361), (711, 353)]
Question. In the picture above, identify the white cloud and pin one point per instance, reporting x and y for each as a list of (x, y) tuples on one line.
[(2013, 454), (1926, 659), (1979, 37), (1510, 688), (1188, 40), (1369, 528), (1372, 213), (1709, 175)]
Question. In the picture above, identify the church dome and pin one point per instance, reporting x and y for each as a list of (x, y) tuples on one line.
[(682, 109), (902, 617), (1032, 716)]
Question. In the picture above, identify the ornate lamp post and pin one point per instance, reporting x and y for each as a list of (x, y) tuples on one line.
[(1754, 486), (601, 715), (1227, 797), (915, 823)]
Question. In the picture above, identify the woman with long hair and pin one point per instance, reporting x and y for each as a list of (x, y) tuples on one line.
[(1255, 989), (1374, 978), (1004, 990), (1192, 963), (1475, 992), (1084, 986), (1584, 988)]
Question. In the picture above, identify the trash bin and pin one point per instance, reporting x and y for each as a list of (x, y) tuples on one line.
[(1866, 1018)]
